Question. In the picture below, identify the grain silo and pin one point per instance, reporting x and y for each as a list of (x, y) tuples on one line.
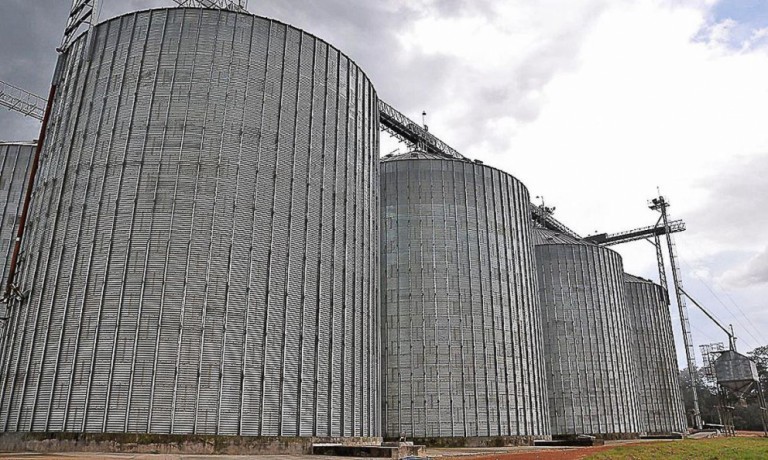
[(15, 159), (586, 338), (462, 347), (652, 344), (202, 250)]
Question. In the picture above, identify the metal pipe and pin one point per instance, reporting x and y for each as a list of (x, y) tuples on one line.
[(731, 337)]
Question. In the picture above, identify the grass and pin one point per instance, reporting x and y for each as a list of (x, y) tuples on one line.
[(698, 449)]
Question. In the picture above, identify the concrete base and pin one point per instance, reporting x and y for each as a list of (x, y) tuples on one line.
[(603, 436), (581, 441), (169, 443), (476, 441), (386, 450), (663, 436)]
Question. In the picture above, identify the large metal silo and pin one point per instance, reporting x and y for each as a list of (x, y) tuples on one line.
[(586, 338), (660, 407), (202, 250), (462, 344)]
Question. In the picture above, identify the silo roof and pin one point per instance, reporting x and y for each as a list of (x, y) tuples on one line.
[(547, 236), (635, 279), (419, 155)]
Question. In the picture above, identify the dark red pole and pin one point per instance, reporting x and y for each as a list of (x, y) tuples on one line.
[(28, 194)]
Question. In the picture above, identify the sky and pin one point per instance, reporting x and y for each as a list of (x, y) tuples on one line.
[(596, 105)]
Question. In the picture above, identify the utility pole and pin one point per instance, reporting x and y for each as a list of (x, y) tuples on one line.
[(661, 204)]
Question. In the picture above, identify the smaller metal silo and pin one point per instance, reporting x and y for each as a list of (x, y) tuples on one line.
[(661, 408), (586, 338), (462, 335), (735, 372), (15, 160)]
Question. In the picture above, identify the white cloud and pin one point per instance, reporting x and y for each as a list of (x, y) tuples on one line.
[(592, 104), (596, 106), (753, 272)]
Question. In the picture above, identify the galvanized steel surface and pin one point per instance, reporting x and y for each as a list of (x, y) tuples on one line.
[(586, 339), (735, 371), (462, 328), (203, 247), (15, 160), (661, 408)]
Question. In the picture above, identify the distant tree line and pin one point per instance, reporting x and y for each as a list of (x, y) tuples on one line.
[(746, 413)]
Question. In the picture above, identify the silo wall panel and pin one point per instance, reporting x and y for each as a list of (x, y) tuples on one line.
[(15, 161), (203, 241), (661, 408), (586, 340), (462, 354)]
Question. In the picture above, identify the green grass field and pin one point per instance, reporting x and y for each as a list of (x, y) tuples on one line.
[(702, 449)]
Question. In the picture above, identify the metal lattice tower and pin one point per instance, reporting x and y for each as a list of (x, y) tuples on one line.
[(22, 101), (407, 130), (609, 239), (661, 204), (660, 262), (82, 13), (236, 5), (709, 352)]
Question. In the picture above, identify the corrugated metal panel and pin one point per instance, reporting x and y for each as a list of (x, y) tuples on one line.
[(462, 331), (661, 407), (205, 215), (15, 160), (587, 342)]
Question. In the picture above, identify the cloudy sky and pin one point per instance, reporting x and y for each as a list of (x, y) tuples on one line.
[(594, 104)]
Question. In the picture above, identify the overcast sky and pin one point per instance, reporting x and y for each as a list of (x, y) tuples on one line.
[(593, 104)]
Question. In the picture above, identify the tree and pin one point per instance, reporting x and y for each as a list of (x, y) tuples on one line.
[(760, 356), (707, 396)]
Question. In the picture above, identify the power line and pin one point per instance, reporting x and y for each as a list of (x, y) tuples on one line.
[(743, 314), (728, 309)]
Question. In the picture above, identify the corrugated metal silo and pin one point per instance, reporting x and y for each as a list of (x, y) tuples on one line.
[(660, 407), (462, 346), (15, 160), (586, 338), (202, 253)]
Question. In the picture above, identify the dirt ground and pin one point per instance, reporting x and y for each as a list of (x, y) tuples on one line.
[(527, 453), (503, 453)]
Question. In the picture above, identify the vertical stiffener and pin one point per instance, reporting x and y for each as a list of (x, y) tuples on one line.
[(660, 409), (202, 251), (462, 349), (586, 337)]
